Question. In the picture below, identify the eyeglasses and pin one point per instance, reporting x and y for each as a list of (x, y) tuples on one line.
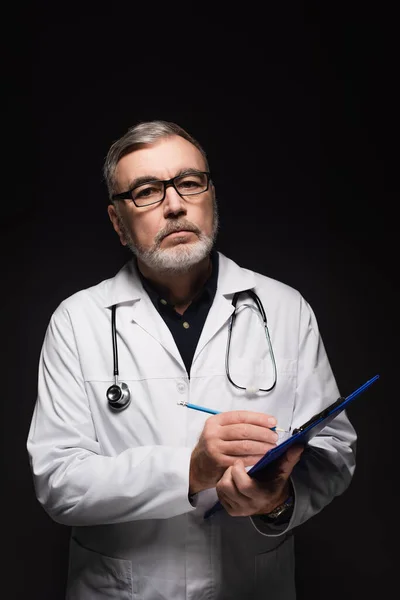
[(151, 192)]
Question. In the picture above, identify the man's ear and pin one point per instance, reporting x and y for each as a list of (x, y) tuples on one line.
[(212, 188), (116, 222)]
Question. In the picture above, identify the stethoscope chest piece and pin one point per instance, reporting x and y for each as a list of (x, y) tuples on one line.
[(118, 396)]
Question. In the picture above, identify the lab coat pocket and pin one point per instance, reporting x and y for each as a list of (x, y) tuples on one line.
[(274, 572), (94, 575)]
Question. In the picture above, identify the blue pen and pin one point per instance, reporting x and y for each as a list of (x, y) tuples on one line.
[(211, 411)]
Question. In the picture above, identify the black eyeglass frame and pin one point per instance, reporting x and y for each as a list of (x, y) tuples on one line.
[(166, 183)]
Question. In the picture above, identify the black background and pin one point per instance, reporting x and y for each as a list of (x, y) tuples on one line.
[(296, 108)]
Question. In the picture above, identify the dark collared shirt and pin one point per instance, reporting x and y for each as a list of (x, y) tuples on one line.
[(186, 328)]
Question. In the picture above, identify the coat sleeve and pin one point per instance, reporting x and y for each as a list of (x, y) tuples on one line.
[(327, 464), (74, 482)]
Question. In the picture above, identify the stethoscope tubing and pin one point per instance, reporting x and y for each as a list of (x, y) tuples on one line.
[(114, 340), (118, 394), (261, 310)]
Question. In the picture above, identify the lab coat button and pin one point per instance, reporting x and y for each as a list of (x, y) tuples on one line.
[(181, 387)]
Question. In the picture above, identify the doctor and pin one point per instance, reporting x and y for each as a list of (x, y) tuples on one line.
[(114, 453)]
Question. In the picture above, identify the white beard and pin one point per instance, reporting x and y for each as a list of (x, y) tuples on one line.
[(176, 259), (179, 258)]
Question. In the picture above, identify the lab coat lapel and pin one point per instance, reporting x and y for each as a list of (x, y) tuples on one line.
[(231, 279), (148, 318), (126, 287), (218, 315)]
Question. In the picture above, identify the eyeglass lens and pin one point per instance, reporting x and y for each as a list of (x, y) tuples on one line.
[(185, 185)]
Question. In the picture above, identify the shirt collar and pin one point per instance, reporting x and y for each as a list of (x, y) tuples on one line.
[(207, 292), (127, 286)]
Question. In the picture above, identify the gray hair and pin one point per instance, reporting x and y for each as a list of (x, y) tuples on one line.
[(146, 132)]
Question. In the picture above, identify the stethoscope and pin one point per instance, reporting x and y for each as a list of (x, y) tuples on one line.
[(119, 395)]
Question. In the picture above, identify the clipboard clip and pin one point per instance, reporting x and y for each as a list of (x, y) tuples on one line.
[(324, 413), (327, 411)]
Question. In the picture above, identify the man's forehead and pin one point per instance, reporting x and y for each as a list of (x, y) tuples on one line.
[(162, 159)]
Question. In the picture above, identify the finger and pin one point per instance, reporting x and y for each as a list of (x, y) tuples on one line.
[(244, 448), (226, 500), (290, 459), (243, 484), (248, 431), (231, 417), (225, 490), (240, 494), (227, 487), (293, 454)]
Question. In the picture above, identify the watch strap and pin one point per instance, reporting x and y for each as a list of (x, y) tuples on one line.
[(280, 514)]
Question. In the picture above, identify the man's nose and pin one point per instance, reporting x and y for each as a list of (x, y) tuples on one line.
[(173, 203)]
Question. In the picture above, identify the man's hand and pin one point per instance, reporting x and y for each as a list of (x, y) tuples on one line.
[(225, 438), (242, 496)]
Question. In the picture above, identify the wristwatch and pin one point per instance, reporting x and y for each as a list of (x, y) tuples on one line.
[(280, 514)]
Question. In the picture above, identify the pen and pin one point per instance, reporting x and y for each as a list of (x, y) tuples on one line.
[(211, 411)]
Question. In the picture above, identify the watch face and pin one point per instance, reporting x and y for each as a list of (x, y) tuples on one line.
[(279, 510)]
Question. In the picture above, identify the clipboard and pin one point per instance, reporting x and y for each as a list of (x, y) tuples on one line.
[(301, 435)]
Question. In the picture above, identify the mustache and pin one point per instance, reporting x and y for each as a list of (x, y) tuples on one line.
[(173, 227)]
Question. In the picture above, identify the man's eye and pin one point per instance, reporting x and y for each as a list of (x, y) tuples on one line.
[(189, 184), (146, 192)]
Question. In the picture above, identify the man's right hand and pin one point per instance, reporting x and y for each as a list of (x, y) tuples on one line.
[(226, 437)]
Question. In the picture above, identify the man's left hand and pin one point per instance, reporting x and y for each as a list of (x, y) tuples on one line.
[(242, 496)]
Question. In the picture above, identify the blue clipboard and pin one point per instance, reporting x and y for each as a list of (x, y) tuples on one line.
[(301, 435)]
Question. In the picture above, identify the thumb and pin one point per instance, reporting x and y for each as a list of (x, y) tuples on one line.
[(293, 454), (290, 458)]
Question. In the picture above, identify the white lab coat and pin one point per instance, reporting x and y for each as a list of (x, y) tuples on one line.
[(121, 479)]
